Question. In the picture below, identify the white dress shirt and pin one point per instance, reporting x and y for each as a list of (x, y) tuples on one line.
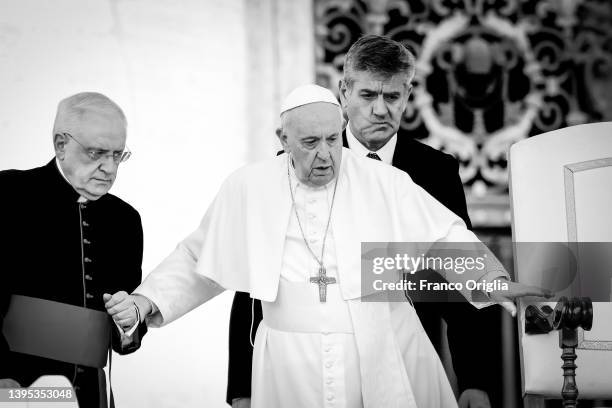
[(385, 153)]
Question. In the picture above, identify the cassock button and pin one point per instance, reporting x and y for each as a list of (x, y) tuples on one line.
[(85, 224), (76, 388), (80, 370), (87, 260), (329, 364), (327, 349), (89, 296), (86, 241), (330, 397), (329, 381), (88, 277)]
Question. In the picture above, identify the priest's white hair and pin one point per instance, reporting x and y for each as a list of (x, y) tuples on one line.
[(71, 110)]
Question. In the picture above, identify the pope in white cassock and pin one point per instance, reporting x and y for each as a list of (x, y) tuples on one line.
[(288, 230)]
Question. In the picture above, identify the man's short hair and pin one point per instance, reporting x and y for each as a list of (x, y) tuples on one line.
[(71, 110), (380, 56)]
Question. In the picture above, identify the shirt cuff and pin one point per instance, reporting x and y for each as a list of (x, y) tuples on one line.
[(127, 335), (489, 277), (154, 308)]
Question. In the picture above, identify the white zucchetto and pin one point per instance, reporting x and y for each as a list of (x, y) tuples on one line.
[(306, 94)]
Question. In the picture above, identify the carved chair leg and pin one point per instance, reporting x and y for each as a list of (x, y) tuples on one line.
[(568, 341)]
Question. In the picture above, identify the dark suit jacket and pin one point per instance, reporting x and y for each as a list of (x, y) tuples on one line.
[(438, 174), (54, 248)]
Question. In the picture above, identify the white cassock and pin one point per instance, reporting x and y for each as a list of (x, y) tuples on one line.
[(341, 353)]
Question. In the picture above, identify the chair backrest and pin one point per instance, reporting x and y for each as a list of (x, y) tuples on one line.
[(561, 197)]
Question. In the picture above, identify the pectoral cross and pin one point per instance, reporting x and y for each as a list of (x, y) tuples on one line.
[(322, 280)]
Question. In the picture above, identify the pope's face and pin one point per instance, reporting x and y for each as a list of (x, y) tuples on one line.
[(312, 135), (374, 105), (103, 134)]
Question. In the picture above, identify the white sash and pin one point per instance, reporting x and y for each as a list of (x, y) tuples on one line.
[(384, 381)]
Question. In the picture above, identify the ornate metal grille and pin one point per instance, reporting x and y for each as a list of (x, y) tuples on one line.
[(489, 73)]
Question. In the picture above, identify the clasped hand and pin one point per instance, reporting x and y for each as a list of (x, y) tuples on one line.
[(122, 308)]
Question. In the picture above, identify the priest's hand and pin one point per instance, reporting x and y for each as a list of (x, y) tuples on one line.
[(473, 398), (241, 403), (506, 297), (9, 383)]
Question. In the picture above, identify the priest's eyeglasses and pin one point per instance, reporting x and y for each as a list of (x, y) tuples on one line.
[(97, 154)]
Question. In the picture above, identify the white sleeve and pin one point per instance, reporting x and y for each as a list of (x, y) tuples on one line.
[(442, 228), (174, 286)]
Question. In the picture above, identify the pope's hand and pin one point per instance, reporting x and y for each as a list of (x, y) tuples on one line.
[(515, 290), (9, 383), (473, 398), (122, 309)]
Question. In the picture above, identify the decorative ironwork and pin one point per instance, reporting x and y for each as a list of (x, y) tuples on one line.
[(489, 73)]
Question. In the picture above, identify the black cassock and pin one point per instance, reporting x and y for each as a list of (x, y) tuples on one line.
[(54, 248), (471, 333)]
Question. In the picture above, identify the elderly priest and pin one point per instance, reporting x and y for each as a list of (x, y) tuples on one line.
[(288, 230), (66, 243)]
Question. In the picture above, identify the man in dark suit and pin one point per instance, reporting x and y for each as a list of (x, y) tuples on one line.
[(65, 239), (374, 94)]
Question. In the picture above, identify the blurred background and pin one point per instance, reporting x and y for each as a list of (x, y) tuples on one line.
[(201, 83)]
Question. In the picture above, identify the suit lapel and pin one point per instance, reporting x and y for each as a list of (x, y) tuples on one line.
[(401, 153)]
